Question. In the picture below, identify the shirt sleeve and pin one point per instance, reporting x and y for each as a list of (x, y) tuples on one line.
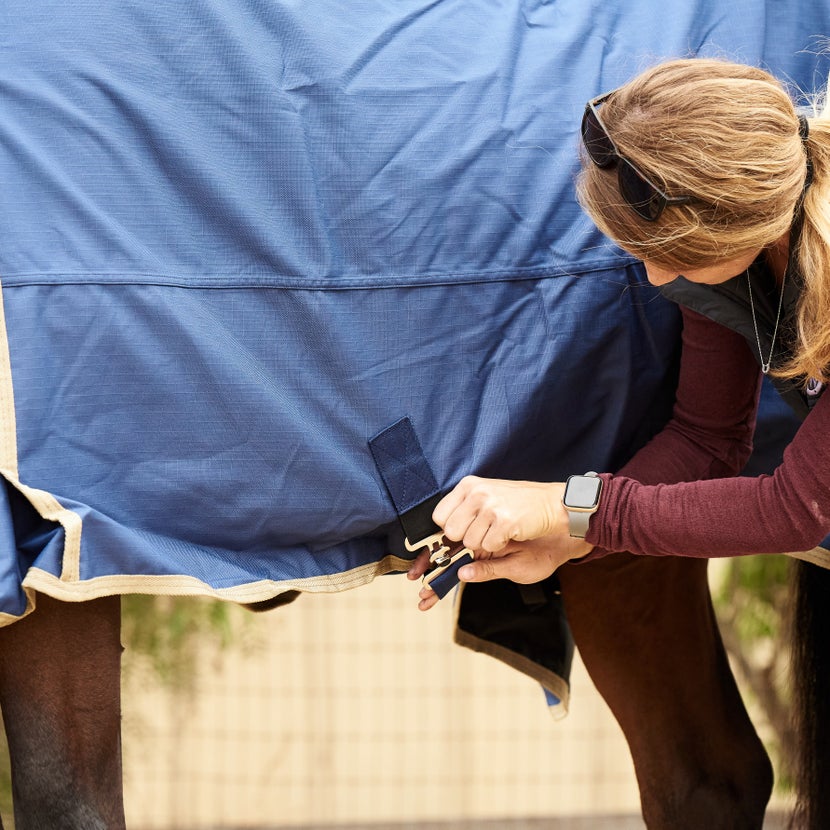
[(679, 496), (713, 419)]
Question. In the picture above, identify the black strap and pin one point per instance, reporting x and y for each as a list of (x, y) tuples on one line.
[(411, 485)]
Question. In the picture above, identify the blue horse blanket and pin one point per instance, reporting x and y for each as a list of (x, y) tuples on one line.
[(240, 237)]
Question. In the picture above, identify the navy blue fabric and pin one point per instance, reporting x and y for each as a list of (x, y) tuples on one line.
[(241, 237), (403, 466), (209, 142), (442, 583)]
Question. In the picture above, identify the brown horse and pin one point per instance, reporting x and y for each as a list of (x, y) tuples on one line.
[(108, 132), (645, 629)]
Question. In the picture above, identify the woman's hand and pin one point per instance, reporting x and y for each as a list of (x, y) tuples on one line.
[(518, 530), (487, 513)]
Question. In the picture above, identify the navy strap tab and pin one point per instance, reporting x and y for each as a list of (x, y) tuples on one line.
[(443, 579), (414, 491), (403, 466)]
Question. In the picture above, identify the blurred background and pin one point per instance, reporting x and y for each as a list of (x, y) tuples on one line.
[(357, 710)]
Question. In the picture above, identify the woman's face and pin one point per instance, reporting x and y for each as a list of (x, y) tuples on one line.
[(711, 275)]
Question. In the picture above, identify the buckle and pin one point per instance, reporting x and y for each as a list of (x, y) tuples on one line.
[(455, 560), (439, 547), (444, 556)]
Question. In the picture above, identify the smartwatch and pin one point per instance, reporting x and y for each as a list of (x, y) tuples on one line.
[(581, 500)]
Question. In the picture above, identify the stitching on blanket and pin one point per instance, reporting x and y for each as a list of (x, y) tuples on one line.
[(183, 585)]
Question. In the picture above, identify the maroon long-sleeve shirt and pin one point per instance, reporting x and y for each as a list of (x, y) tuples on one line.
[(679, 494)]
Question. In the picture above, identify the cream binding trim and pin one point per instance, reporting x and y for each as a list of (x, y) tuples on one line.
[(183, 586), (44, 503), (70, 588), (818, 556), (546, 678)]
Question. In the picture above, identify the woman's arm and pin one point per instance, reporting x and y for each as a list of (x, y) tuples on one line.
[(708, 436), (786, 512), (713, 420)]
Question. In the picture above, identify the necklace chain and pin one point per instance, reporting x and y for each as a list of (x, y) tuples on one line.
[(765, 366)]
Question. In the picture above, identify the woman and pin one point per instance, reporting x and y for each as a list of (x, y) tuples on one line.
[(703, 169)]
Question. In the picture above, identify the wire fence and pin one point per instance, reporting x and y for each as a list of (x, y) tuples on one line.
[(356, 709)]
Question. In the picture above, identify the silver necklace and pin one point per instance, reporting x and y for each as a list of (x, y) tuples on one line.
[(765, 366)]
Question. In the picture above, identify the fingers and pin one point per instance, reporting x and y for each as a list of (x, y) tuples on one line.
[(514, 527), (525, 564), (480, 534), (458, 512), (467, 514), (445, 508), (522, 562), (486, 570), (428, 599), (419, 565)]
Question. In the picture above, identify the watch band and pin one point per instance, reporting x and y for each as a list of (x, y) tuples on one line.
[(578, 523), (579, 515)]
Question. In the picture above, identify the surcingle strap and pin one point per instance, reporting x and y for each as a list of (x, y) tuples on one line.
[(411, 485), (522, 625)]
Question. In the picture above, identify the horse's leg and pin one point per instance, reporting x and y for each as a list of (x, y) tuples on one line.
[(60, 697), (647, 633)]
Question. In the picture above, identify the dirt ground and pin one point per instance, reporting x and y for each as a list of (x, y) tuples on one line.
[(776, 821)]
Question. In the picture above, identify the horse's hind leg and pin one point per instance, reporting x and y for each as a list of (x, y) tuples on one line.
[(646, 631), (60, 697)]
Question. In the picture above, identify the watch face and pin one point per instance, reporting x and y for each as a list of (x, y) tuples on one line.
[(582, 492)]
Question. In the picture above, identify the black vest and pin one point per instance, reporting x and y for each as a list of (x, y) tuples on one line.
[(728, 303)]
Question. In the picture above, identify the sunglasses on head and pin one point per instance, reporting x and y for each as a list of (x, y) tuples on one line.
[(640, 193)]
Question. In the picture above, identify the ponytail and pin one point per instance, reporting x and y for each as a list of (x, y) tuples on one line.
[(812, 256)]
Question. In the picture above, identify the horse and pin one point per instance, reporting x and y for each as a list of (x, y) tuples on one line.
[(645, 629), (237, 242)]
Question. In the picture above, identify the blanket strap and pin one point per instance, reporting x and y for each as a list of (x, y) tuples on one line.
[(411, 485)]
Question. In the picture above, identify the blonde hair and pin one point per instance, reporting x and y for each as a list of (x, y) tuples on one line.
[(728, 135)]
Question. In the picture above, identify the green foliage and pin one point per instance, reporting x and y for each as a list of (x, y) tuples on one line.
[(752, 602), (167, 634), (753, 593)]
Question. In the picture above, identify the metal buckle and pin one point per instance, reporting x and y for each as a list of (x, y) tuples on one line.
[(442, 553), (438, 546), (454, 555)]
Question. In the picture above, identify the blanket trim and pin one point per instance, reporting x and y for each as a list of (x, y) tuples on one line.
[(547, 679), (183, 585), (817, 556), (46, 505)]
